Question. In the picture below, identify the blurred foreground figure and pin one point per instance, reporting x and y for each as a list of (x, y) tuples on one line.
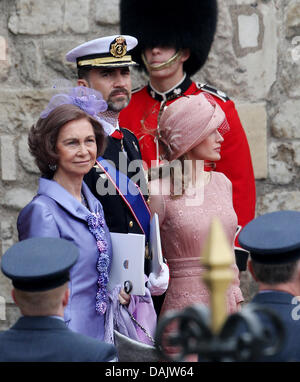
[(39, 270), (273, 240)]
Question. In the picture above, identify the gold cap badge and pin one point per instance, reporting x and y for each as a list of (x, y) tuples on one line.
[(118, 47)]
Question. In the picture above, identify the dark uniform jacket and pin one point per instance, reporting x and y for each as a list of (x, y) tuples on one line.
[(118, 216), (288, 309), (47, 339)]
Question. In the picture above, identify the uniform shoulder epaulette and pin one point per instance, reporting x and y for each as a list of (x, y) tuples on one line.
[(98, 170), (124, 128), (135, 90), (210, 89), (129, 132)]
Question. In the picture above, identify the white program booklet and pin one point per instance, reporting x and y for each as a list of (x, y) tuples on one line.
[(128, 261), (155, 245)]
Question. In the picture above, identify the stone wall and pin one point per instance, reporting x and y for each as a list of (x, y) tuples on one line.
[(255, 59)]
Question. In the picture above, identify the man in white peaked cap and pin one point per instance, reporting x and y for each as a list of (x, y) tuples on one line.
[(104, 65)]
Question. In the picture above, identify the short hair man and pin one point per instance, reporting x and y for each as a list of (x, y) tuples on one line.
[(174, 42), (273, 240), (39, 270), (103, 64)]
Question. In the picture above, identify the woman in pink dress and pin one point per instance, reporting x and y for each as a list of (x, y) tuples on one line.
[(190, 132)]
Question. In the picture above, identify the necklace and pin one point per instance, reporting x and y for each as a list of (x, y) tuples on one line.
[(84, 200)]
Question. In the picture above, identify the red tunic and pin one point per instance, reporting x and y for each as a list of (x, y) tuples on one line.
[(140, 116)]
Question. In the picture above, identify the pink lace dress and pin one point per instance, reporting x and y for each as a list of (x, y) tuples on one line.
[(184, 229)]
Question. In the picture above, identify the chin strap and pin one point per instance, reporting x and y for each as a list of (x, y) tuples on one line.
[(165, 64)]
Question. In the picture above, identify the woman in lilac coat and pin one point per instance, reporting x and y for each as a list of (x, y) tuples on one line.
[(65, 143)]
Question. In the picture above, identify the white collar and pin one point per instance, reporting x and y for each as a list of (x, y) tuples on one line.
[(170, 90)]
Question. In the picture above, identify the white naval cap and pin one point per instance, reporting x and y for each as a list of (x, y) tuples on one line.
[(110, 51)]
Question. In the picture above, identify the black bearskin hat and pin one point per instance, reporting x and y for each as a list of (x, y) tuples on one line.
[(180, 24)]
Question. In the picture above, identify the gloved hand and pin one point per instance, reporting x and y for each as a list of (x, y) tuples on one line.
[(158, 284)]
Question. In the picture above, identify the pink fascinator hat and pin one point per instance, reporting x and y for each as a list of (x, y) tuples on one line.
[(187, 122)]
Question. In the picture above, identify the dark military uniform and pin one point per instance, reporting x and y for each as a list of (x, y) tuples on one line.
[(43, 264), (118, 215), (273, 239)]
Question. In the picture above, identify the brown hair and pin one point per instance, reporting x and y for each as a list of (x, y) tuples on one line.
[(43, 135), (274, 273), (83, 73)]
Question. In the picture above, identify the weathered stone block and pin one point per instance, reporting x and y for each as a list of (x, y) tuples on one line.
[(254, 120), (4, 69), (107, 12), (281, 164), (249, 31), (55, 52), (3, 49), (37, 17), (11, 115), (2, 308), (280, 172), (290, 77), (5, 289), (8, 158), (286, 122), (30, 64), (32, 102), (256, 50), (19, 109), (278, 200), (5, 61), (27, 160), (242, 66), (7, 230), (76, 18), (296, 149), (222, 69), (17, 198), (295, 49), (12, 314), (292, 18)]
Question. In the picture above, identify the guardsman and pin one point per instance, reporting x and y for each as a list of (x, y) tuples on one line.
[(103, 64), (174, 43)]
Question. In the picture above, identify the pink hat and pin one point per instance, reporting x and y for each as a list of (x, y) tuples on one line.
[(188, 121)]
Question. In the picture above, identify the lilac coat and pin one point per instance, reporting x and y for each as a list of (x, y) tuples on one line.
[(54, 212)]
